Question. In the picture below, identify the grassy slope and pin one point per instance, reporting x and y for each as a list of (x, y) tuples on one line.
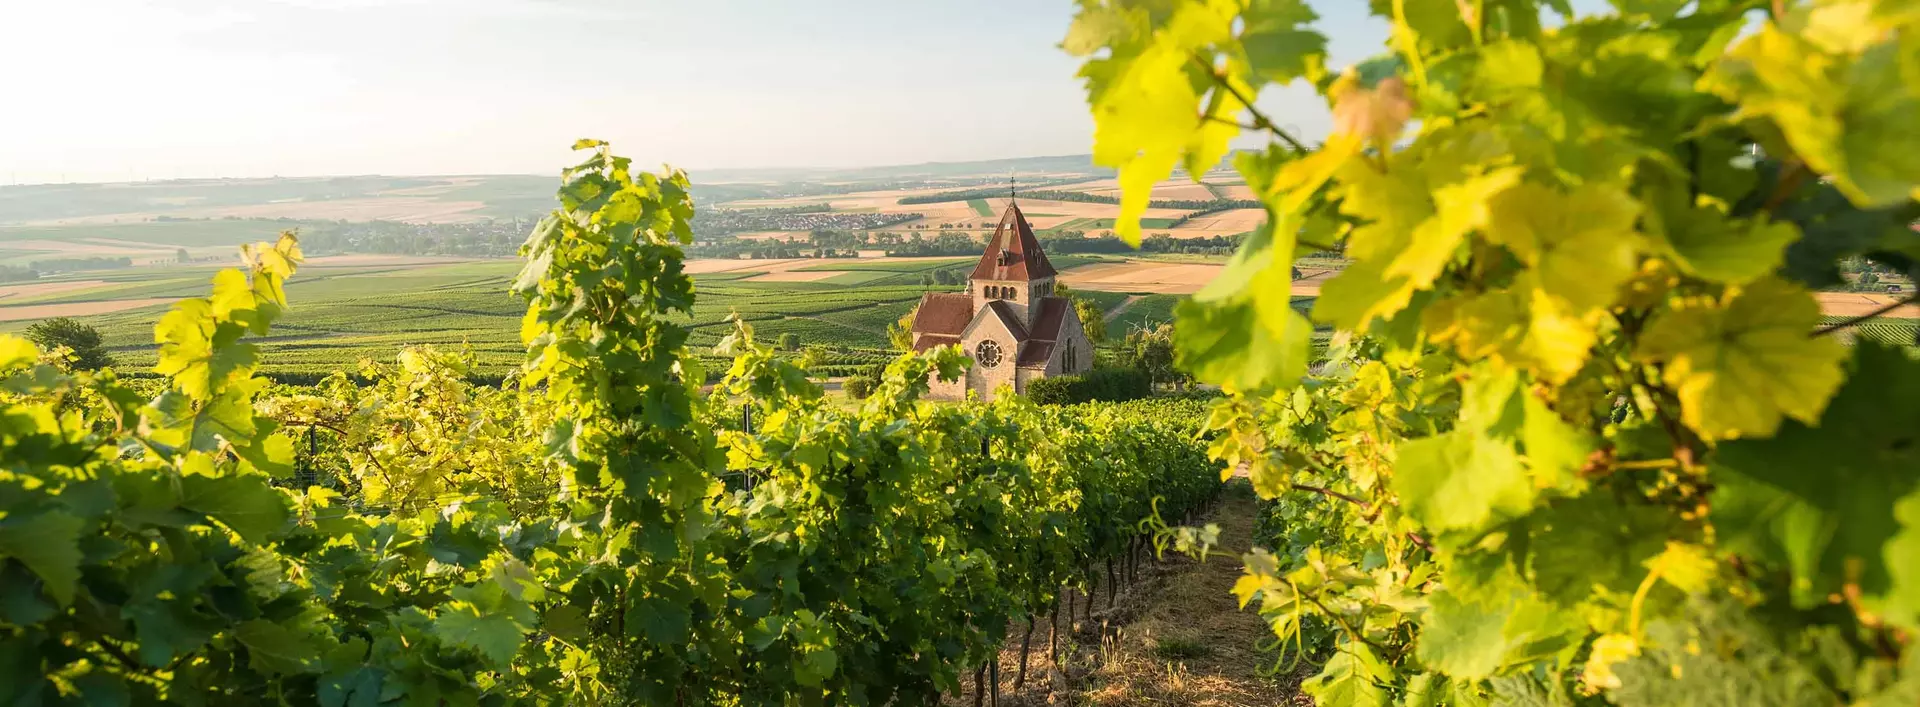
[(980, 207)]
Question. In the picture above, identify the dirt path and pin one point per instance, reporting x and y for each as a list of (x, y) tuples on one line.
[(1176, 636), (1121, 308)]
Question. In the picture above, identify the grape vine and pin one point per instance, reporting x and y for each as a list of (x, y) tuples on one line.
[(1580, 437), (593, 531)]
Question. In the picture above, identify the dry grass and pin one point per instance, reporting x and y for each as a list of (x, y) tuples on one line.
[(1175, 636)]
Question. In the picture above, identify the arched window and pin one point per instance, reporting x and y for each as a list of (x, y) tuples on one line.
[(987, 354)]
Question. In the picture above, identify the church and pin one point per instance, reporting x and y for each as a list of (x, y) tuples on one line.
[(1008, 320)]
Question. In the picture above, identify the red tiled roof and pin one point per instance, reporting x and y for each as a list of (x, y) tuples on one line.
[(1024, 260), (1035, 354), (943, 313), (1000, 307), (931, 340), (1053, 311)]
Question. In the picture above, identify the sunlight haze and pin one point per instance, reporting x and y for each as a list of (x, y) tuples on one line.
[(227, 88)]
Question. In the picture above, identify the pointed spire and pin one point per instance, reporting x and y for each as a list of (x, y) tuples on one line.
[(1013, 186)]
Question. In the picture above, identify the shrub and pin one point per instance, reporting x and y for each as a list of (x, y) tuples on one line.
[(789, 342), (1103, 384), (858, 388)]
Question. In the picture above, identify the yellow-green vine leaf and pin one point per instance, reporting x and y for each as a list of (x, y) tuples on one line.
[(1838, 95), (1581, 245), (1555, 450), (1460, 480), (1742, 362), (1243, 345), (1708, 244), (1471, 632), (1146, 103)]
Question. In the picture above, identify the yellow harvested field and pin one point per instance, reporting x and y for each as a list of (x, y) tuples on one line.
[(1063, 211), (432, 189), (1854, 304), (1184, 190), (38, 289), (699, 266), (1142, 276), (1188, 278), (380, 260), (1224, 223), (796, 276), (77, 309)]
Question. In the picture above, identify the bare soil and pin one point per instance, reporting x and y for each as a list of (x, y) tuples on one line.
[(1173, 636)]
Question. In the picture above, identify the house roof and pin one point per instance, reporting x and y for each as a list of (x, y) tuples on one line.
[(1053, 311), (1035, 354), (1022, 259), (1005, 312), (943, 313), (927, 341)]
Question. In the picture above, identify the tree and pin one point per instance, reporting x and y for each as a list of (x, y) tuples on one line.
[(1092, 320), (180, 255), (900, 333), (82, 340), (1151, 351), (815, 356), (789, 342)]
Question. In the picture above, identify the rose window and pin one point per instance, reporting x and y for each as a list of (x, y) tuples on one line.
[(987, 354)]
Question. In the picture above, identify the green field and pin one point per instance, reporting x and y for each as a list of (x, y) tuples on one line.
[(1149, 311), (342, 314), (980, 207), (1892, 332), (1088, 224)]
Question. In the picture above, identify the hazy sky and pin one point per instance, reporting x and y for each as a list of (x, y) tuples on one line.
[(110, 90)]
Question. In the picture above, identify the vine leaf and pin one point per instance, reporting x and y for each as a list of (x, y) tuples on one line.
[(1744, 361), (1351, 677), (1580, 246), (1147, 95), (1831, 528), (1278, 50), (1708, 244), (246, 504), (274, 649), (1469, 632), (1460, 480), (1838, 98), (49, 544), (482, 617)]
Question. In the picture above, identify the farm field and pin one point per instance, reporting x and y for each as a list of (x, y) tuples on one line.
[(349, 308)]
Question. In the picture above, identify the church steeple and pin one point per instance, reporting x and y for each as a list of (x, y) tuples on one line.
[(1013, 253), (1014, 270)]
